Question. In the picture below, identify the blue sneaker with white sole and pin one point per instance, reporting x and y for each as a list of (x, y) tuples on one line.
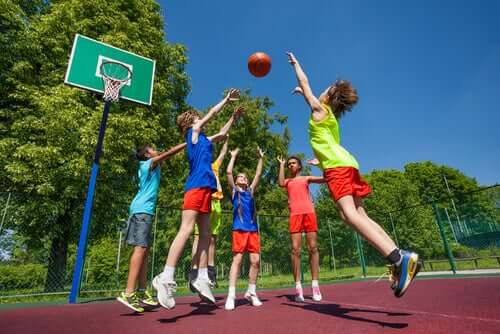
[(403, 274)]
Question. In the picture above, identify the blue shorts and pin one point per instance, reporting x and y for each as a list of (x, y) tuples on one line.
[(139, 229)]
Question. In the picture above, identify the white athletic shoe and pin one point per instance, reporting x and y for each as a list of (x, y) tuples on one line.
[(202, 286), (299, 295), (165, 291), (253, 299), (229, 304), (316, 294)]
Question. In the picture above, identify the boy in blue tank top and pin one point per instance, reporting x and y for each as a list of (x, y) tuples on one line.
[(199, 186), (245, 230), (138, 233)]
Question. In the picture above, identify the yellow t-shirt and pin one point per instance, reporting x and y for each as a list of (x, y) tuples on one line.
[(325, 141), (218, 194)]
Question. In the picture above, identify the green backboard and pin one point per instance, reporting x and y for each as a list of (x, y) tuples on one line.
[(85, 63)]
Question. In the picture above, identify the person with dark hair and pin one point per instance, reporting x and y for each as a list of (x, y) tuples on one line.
[(341, 172), (302, 220), (138, 232), (245, 238), (198, 189)]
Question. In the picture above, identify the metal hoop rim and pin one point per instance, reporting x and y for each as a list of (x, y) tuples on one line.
[(106, 77)]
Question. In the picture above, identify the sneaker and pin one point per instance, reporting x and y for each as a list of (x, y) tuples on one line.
[(166, 292), (229, 304), (193, 274), (253, 299), (299, 295), (203, 286), (212, 275), (403, 274), (131, 301), (316, 294), (145, 297)]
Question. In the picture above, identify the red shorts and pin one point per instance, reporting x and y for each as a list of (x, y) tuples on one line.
[(303, 223), (198, 199), (344, 181), (246, 242)]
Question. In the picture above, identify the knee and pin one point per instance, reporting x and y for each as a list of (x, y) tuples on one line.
[(313, 250), (295, 251), (255, 263)]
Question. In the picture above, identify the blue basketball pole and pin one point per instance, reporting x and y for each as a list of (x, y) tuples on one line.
[(87, 212)]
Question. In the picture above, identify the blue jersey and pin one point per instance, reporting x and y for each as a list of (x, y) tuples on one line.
[(149, 183), (200, 163), (244, 211)]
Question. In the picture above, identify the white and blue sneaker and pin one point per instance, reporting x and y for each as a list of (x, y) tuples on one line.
[(402, 275)]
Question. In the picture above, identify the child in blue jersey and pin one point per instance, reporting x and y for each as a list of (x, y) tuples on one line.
[(139, 224), (245, 230), (199, 186)]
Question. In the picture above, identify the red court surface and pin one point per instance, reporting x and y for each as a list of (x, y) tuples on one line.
[(462, 305)]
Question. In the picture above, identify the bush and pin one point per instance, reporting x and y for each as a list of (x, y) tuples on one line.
[(22, 276)]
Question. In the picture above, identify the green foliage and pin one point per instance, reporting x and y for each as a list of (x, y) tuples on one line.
[(21, 276)]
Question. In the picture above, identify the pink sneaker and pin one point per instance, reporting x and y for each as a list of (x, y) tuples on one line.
[(299, 295), (316, 294)]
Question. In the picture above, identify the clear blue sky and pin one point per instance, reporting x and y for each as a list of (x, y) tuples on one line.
[(427, 72)]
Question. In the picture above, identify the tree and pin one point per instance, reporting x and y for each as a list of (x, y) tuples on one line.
[(51, 129)]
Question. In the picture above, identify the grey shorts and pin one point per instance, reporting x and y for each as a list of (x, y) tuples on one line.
[(138, 231)]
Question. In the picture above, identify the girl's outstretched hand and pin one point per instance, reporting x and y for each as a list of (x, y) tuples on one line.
[(260, 152), (235, 152), (280, 159), (313, 162), (291, 58), (233, 95)]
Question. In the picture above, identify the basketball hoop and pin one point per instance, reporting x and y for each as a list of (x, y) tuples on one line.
[(115, 75)]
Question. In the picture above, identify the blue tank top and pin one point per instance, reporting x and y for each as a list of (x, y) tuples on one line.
[(200, 163), (243, 211)]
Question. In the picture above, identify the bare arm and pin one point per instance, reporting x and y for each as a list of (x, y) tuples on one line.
[(232, 95), (229, 170), (258, 171), (281, 174), (315, 179), (225, 129), (223, 151), (166, 155), (318, 111)]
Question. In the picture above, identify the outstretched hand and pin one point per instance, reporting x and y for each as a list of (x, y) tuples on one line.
[(291, 58), (238, 111), (260, 152), (313, 162), (280, 159), (233, 95), (235, 152)]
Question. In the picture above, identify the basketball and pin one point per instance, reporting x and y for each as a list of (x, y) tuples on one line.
[(259, 64)]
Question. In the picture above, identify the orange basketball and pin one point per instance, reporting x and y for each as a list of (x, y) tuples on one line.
[(259, 64)]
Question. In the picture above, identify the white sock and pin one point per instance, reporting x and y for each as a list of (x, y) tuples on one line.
[(232, 292), (168, 273), (315, 283), (251, 288), (298, 285), (203, 273)]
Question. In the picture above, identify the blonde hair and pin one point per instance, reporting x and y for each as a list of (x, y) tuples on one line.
[(342, 96), (185, 120)]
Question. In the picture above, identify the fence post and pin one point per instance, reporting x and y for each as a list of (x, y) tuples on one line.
[(300, 262), (443, 237), (153, 250), (360, 252), (332, 254)]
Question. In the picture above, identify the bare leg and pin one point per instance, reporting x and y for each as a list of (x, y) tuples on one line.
[(368, 229), (194, 261), (136, 261), (359, 206), (296, 239), (235, 269), (185, 231), (143, 276), (312, 246), (204, 241), (254, 268), (211, 251)]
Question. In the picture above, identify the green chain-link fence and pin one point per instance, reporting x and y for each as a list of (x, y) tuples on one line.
[(452, 235)]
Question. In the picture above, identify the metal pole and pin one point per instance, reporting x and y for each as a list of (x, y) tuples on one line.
[(451, 198), (451, 225), (154, 247), (5, 212), (394, 230), (360, 252), (87, 212), (118, 257), (331, 248), (445, 241), (300, 262)]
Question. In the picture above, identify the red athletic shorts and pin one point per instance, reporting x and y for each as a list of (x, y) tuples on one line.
[(198, 199), (303, 223), (246, 242), (344, 181)]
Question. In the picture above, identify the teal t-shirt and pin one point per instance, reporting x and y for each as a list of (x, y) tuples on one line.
[(149, 183)]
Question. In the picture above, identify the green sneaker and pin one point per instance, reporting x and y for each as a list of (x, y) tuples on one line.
[(131, 301), (145, 297)]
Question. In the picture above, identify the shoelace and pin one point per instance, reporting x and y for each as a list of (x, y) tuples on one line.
[(172, 287), (390, 273)]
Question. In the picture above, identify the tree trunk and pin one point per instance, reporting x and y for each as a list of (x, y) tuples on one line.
[(56, 271)]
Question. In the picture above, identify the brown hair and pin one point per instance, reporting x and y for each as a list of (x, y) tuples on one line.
[(141, 151), (185, 120), (342, 96)]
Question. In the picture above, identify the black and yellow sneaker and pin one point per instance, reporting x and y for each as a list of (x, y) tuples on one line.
[(147, 298), (131, 301)]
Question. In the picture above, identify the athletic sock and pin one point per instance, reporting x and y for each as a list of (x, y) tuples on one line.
[(395, 257), (232, 292), (315, 283), (251, 289), (298, 285), (203, 273), (168, 273)]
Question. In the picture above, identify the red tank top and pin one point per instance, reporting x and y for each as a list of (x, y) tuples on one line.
[(299, 197)]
